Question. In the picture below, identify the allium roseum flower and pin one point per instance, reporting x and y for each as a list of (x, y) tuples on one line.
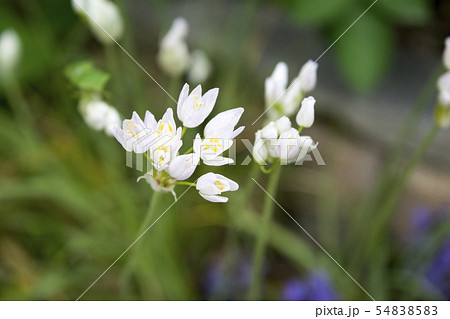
[(160, 141), (137, 135), (278, 140), (194, 108), (103, 17), (10, 50), (218, 137), (282, 99), (211, 185)]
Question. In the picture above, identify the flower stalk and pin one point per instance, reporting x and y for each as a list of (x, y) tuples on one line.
[(136, 252), (261, 240)]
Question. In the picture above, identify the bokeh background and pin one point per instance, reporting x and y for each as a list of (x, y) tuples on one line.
[(69, 206)]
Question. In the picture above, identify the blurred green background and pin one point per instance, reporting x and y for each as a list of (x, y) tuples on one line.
[(69, 206)]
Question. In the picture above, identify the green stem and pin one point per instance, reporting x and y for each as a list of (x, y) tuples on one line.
[(261, 241), (174, 90), (189, 150), (149, 218), (185, 183), (113, 61), (267, 170), (388, 174), (389, 203), (17, 102), (183, 131), (232, 235)]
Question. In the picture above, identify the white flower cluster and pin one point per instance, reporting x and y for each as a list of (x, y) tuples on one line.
[(161, 141), (99, 115), (282, 99), (174, 57), (279, 140), (443, 109), (10, 49), (103, 18)]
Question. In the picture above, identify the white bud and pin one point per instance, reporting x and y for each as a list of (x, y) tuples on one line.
[(444, 89), (269, 131), (173, 56), (112, 119), (308, 76), (200, 67), (104, 18), (305, 117), (283, 124), (446, 56), (10, 50), (260, 149), (99, 115), (94, 113)]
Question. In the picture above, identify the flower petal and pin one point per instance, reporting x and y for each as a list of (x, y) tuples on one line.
[(214, 198)]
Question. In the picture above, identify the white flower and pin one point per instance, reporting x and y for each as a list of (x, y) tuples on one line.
[(137, 135), (218, 137), (167, 141), (282, 99), (308, 76), (444, 89), (10, 50), (306, 145), (104, 18), (99, 115), (288, 146), (200, 67), (173, 56), (446, 56), (211, 185), (194, 108), (305, 117), (260, 149), (183, 166)]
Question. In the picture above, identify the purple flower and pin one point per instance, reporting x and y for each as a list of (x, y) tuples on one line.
[(422, 220), (316, 288), (227, 281), (439, 271)]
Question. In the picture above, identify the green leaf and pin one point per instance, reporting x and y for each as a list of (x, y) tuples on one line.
[(414, 12), (364, 51), (86, 77), (318, 12)]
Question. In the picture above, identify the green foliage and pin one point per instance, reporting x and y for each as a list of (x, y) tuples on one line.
[(414, 12), (86, 77), (363, 58), (318, 12), (364, 52)]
